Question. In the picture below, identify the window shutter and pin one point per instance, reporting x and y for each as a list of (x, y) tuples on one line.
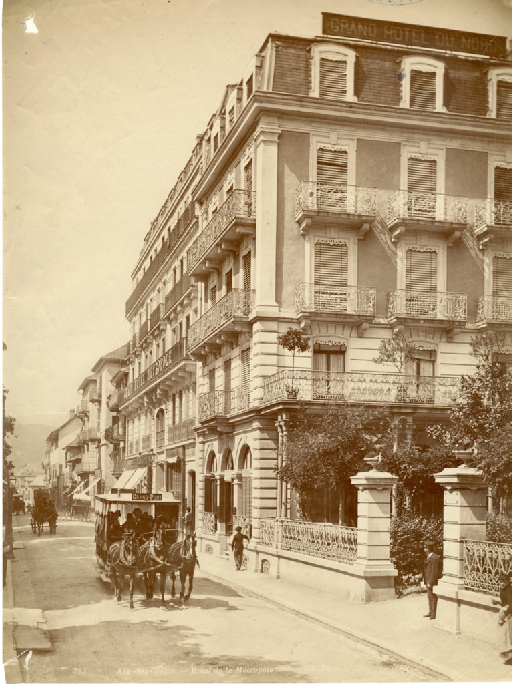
[(423, 89), (503, 183), (227, 375), (421, 175), (248, 176), (246, 365), (504, 100), (331, 167), (331, 264), (333, 79), (247, 270), (249, 86), (229, 281), (247, 496), (213, 295), (231, 118), (501, 277), (421, 271)]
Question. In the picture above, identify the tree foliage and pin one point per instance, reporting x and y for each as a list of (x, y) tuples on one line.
[(325, 451), (396, 351), (293, 340)]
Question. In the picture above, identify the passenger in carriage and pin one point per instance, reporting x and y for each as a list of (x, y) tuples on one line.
[(130, 523), (114, 528)]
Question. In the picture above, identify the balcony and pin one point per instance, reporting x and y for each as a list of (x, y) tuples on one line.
[(494, 310), (350, 301), (89, 435), (434, 212), (181, 288), (350, 206), (436, 306), (235, 218), (360, 388), (144, 460), (177, 354), (143, 330), (147, 442), (134, 447), (118, 464), (83, 408), (95, 394), (181, 432), (114, 434), (223, 403), (115, 399), (156, 316), (229, 314), (493, 219), (88, 465)]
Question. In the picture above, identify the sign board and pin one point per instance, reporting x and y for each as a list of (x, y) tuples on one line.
[(413, 35), (139, 496)]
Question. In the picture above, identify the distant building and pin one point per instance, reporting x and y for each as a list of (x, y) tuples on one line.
[(57, 475), (24, 478)]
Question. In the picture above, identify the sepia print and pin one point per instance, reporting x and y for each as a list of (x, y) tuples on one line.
[(257, 341)]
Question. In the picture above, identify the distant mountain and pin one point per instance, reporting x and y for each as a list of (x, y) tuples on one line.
[(29, 445)]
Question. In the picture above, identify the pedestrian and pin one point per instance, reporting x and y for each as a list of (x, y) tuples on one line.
[(432, 573), (505, 614), (238, 546), (188, 522)]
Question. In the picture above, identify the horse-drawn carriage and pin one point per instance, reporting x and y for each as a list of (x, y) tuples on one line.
[(146, 544), (44, 511), (18, 505)]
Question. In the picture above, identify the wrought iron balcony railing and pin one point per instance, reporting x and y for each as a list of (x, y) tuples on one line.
[(429, 206), (447, 306), (494, 310), (89, 463), (322, 540), (89, 435), (348, 300), (360, 388), (234, 306), (244, 522), (95, 394), (241, 204), (340, 199), (492, 212), (483, 562), (116, 398), (177, 292), (209, 523), (175, 355), (224, 402)]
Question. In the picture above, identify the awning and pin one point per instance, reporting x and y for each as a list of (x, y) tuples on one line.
[(129, 479), (83, 496)]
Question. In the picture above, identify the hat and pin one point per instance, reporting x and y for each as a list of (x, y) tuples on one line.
[(504, 576), (429, 544), (238, 529)]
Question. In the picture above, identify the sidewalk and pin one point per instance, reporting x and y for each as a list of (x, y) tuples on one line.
[(397, 627)]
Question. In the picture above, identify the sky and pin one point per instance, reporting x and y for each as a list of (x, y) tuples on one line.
[(102, 101)]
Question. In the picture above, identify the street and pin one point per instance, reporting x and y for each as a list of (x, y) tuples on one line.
[(220, 636)]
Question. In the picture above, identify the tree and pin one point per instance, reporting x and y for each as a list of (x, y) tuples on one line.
[(326, 450), (293, 340), (482, 417), (395, 351)]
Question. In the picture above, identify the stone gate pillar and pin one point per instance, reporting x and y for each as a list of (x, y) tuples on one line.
[(373, 562), (465, 510)]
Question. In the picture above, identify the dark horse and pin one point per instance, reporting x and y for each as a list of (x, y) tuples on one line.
[(40, 516), (158, 557), (122, 560), (188, 554)]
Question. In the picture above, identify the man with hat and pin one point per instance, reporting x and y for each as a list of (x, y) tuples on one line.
[(238, 546), (432, 573)]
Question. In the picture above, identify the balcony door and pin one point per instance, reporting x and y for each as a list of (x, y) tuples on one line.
[(502, 196), (328, 367), (331, 178), (420, 377), (421, 187), (421, 282)]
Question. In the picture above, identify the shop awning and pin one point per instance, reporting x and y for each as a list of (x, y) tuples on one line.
[(129, 479)]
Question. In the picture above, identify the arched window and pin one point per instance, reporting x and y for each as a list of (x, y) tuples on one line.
[(333, 72), (500, 93), (422, 83)]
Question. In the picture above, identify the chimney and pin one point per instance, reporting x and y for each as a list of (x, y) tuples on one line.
[(71, 413)]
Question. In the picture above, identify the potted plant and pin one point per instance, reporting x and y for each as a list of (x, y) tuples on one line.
[(293, 340)]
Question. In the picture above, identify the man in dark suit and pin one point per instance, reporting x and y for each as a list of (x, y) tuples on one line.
[(432, 572)]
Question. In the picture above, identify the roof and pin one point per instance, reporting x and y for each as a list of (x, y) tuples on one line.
[(126, 497), (118, 354), (86, 381)]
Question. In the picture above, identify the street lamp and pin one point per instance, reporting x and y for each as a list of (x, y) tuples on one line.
[(9, 539)]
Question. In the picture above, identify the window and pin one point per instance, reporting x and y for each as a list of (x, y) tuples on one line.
[(213, 295), (231, 118), (500, 93), (502, 214), (333, 72), (246, 264), (422, 84), (502, 275), (229, 281), (245, 360), (421, 187), (211, 380), (227, 386), (328, 364), (215, 142), (331, 171), (331, 264), (421, 281), (248, 88)]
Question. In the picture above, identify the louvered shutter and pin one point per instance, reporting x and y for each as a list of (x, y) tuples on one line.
[(333, 79), (423, 89), (421, 271), (421, 187), (247, 270), (331, 264), (213, 295), (504, 100), (247, 496), (231, 118), (503, 183), (331, 167), (501, 277), (246, 365)]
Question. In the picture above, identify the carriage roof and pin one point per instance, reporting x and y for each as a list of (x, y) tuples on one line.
[(130, 500)]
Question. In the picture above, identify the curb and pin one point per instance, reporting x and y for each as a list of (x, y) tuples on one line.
[(353, 635)]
